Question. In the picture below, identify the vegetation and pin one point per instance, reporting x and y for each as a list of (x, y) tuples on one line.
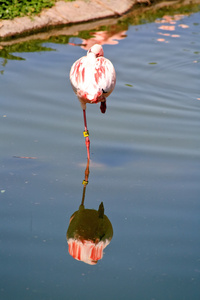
[(10, 9), (142, 15)]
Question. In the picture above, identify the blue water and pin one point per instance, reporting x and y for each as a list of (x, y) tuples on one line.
[(145, 167)]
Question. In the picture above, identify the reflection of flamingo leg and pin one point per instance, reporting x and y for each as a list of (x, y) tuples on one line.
[(83, 196), (86, 135), (85, 181)]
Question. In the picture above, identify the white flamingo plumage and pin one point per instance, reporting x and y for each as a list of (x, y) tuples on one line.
[(93, 79)]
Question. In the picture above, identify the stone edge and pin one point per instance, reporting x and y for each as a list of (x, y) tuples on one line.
[(65, 13)]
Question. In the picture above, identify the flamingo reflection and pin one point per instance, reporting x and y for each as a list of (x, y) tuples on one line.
[(89, 232), (104, 38)]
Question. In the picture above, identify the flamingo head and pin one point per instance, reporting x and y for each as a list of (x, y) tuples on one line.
[(97, 50)]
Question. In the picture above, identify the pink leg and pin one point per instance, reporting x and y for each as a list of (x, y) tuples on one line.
[(86, 135)]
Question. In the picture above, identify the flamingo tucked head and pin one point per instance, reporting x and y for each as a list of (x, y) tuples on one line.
[(97, 50)]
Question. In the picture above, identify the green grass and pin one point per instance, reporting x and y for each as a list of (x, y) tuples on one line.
[(10, 9)]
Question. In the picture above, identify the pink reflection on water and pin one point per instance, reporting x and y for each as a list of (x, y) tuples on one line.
[(104, 37), (168, 28), (183, 26), (111, 37), (87, 251), (172, 21)]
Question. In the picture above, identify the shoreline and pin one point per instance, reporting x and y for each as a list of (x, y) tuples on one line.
[(53, 22), (65, 13)]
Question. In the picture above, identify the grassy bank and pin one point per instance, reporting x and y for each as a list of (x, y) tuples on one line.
[(9, 9)]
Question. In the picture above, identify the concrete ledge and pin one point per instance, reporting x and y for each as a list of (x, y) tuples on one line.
[(66, 13)]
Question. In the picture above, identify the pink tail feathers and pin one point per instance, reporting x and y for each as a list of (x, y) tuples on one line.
[(86, 97), (82, 95)]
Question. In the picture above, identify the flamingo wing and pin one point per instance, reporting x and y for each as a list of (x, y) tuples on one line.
[(104, 75), (77, 73)]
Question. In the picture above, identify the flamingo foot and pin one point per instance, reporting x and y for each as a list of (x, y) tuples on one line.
[(103, 107)]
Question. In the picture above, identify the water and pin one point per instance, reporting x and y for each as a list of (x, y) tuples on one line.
[(145, 167)]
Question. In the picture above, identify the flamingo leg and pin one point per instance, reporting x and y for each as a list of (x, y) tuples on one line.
[(86, 135)]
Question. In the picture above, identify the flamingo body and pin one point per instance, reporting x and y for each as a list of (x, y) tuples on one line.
[(93, 79)]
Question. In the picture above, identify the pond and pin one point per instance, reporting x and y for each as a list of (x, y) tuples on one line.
[(145, 167)]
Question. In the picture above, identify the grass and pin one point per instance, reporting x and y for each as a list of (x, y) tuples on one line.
[(9, 9)]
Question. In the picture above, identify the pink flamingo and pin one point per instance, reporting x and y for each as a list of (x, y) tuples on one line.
[(93, 79)]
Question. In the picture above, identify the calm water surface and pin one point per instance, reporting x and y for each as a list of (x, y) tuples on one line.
[(145, 167)]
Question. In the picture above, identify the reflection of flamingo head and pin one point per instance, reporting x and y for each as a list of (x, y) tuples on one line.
[(97, 50)]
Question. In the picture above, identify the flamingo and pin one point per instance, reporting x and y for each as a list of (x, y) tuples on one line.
[(93, 79)]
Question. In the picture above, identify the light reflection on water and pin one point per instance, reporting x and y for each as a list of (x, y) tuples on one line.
[(144, 168)]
